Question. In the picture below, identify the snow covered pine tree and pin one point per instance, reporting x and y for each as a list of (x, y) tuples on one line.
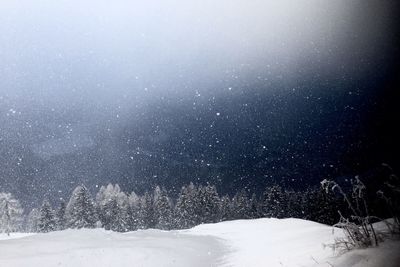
[(47, 222), (10, 213), (80, 209)]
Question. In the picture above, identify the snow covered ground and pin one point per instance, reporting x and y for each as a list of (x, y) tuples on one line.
[(14, 236), (262, 242), (292, 242)]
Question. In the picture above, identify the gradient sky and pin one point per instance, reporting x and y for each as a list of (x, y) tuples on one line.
[(236, 92)]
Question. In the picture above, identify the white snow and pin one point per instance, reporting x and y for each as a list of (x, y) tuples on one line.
[(104, 248), (292, 242), (262, 242), (14, 236), (272, 242)]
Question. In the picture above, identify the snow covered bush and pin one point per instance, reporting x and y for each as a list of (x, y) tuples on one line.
[(390, 194), (359, 231)]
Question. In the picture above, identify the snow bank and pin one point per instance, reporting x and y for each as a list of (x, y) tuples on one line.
[(102, 248), (386, 255), (262, 242), (292, 242), (272, 242)]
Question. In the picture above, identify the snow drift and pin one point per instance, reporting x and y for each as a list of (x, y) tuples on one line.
[(262, 242)]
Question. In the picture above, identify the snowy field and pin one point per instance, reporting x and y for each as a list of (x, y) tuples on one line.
[(262, 242)]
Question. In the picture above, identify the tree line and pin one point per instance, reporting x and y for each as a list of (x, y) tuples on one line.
[(113, 209)]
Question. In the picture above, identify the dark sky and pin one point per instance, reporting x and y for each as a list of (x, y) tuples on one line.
[(168, 92)]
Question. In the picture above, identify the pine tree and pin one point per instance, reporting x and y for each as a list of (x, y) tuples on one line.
[(146, 212), (185, 210), (241, 205), (225, 209), (208, 204), (122, 222), (133, 211), (255, 209), (321, 206), (273, 202), (61, 220), (80, 209), (105, 207), (33, 221), (113, 208), (111, 213), (294, 207), (108, 212), (10, 213), (162, 209), (47, 221)]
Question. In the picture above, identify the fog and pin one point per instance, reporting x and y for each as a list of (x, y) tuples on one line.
[(101, 75)]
